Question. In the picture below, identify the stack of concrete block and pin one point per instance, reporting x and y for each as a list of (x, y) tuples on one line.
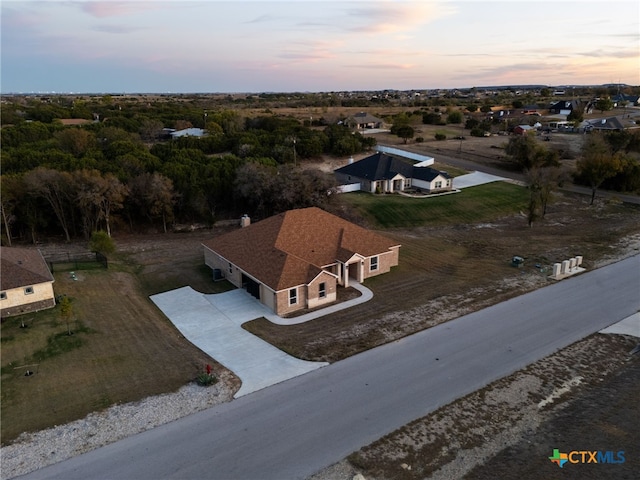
[(567, 267)]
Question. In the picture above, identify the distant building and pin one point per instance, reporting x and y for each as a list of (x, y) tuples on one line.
[(188, 132), (363, 121), (523, 129)]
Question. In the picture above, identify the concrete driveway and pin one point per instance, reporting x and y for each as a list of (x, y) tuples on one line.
[(474, 179), (213, 324)]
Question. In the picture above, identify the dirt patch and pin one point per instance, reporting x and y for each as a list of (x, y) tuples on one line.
[(446, 272), (583, 397)]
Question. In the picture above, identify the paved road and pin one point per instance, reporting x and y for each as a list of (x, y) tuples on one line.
[(298, 427)]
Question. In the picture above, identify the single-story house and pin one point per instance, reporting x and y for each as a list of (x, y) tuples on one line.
[(623, 99), (611, 124), (297, 259), (362, 121), (565, 107), (26, 284), (384, 173)]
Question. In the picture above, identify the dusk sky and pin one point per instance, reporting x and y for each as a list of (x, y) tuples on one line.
[(267, 46)]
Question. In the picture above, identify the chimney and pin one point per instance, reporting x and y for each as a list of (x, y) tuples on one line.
[(245, 221)]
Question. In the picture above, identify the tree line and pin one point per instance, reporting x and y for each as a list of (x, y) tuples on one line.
[(73, 180)]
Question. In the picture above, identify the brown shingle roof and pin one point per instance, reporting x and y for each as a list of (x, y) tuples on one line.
[(22, 267), (291, 248)]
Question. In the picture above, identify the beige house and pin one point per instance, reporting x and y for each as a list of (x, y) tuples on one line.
[(26, 284), (297, 259)]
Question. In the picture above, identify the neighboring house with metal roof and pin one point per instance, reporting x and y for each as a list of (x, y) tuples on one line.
[(26, 284), (297, 259), (384, 173)]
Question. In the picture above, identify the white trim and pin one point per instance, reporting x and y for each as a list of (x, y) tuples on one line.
[(314, 278), (296, 296)]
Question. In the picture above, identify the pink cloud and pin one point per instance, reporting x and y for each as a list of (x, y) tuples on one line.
[(398, 17), (103, 9)]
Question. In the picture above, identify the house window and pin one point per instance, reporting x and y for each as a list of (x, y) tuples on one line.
[(3, 295), (322, 291), (293, 296), (438, 184), (28, 290), (374, 264), (230, 268)]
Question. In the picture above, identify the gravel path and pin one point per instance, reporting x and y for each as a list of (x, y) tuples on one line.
[(32, 451)]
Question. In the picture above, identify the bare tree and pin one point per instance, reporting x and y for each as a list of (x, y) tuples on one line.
[(542, 183), (598, 163), (54, 187), (154, 196), (8, 202), (97, 196)]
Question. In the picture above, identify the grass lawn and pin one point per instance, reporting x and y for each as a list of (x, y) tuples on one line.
[(122, 350), (477, 204)]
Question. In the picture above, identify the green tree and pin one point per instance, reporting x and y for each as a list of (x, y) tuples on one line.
[(405, 132), (102, 243), (604, 104), (576, 115), (527, 153), (66, 312), (454, 117)]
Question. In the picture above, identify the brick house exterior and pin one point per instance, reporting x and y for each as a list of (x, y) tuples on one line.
[(26, 284), (296, 260)]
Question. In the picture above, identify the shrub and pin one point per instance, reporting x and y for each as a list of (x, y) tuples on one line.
[(206, 379), (441, 136), (419, 139)]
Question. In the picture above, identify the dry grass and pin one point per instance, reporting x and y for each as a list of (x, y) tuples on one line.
[(129, 351), (447, 271)]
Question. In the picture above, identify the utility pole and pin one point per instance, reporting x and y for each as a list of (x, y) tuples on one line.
[(294, 152)]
